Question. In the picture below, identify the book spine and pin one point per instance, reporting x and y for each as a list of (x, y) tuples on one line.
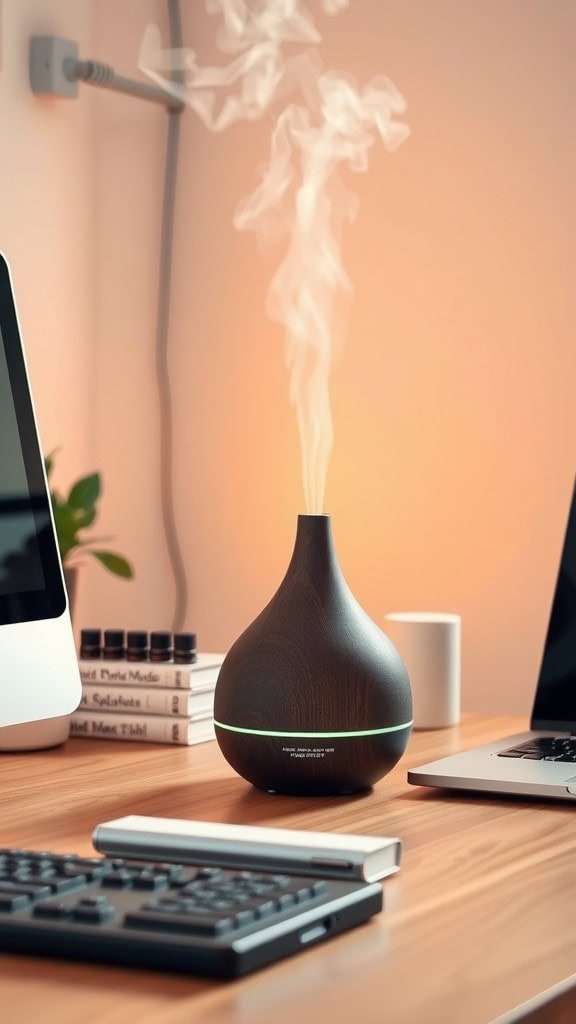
[(146, 700), (139, 728), (125, 673)]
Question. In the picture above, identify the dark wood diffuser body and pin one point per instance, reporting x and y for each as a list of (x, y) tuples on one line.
[(313, 698)]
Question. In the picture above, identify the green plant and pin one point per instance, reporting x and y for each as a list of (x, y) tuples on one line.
[(73, 515)]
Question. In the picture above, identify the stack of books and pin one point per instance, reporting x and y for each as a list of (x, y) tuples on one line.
[(149, 702)]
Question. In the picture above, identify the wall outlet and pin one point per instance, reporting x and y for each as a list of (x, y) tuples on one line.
[(52, 61)]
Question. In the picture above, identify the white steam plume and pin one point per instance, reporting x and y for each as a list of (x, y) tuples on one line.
[(301, 194)]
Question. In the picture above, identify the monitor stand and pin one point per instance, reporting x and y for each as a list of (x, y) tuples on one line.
[(48, 732)]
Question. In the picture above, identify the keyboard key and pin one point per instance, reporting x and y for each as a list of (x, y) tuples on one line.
[(303, 894), (244, 918), (35, 891), (266, 909), (83, 869), (545, 748), (90, 912), (208, 872), (13, 901), (71, 871), (62, 885), (150, 880), (285, 901), (196, 924), (56, 911), (118, 879), (319, 888), (167, 904), (174, 872)]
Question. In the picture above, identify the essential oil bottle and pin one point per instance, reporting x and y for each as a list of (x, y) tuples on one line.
[(184, 648), (114, 649), (137, 645), (160, 646), (91, 643)]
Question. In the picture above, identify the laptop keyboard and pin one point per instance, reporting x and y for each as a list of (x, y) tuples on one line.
[(545, 748)]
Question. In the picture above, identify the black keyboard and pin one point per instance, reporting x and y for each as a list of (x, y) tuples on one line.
[(173, 917), (545, 748)]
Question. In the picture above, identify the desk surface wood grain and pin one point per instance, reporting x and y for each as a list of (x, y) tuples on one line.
[(480, 918)]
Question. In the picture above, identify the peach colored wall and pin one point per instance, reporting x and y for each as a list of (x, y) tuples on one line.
[(46, 222), (454, 395), (130, 137)]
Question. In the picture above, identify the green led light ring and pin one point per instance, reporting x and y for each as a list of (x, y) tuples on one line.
[(313, 735)]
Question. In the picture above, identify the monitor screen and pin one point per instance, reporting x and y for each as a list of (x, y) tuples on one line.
[(31, 584), (555, 702)]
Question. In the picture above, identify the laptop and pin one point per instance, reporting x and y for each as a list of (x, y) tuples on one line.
[(541, 762)]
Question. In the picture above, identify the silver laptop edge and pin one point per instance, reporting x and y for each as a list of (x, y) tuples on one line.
[(553, 714), (480, 769)]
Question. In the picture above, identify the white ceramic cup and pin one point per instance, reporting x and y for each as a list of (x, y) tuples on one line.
[(429, 643)]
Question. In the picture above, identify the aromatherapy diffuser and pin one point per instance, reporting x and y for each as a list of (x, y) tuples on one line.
[(313, 698)]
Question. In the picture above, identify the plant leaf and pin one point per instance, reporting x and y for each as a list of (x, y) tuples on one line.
[(56, 500), (49, 461), (89, 542), (85, 492), (74, 514), (114, 563), (83, 516), (68, 520), (65, 530)]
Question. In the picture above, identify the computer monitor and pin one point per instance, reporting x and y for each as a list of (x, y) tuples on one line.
[(39, 677)]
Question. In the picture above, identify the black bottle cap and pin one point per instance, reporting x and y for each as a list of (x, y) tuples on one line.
[(137, 645), (160, 646), (185, 647), (113, 643), (91, 637), (90, 643)]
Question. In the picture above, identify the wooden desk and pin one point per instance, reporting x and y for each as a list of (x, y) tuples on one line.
[(481, 917)]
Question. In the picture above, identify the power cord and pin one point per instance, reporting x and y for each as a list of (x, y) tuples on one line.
[(166, 469), (55, 70)]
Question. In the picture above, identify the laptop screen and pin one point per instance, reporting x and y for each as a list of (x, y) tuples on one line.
[(30, 579), (555, 702)]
